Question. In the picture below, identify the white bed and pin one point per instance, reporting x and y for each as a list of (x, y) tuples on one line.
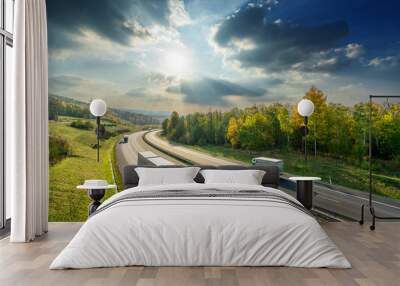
[(189, 231)]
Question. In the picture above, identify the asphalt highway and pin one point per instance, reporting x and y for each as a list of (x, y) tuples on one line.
[(128, 153), (195, 157)]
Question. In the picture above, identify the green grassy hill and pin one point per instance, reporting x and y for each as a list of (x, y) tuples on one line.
[(73, 156), (66, 203)]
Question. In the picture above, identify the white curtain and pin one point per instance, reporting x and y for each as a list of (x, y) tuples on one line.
[(27, 130)]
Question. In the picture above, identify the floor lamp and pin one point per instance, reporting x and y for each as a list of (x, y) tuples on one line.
[(98, 108), (370, 203), (305, 108)]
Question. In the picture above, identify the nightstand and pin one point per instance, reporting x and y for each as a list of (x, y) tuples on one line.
[(96, 190), (305, 190)]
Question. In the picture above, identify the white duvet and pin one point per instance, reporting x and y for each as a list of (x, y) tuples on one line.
[(200, 231)]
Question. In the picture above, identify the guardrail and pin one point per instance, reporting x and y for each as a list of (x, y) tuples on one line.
[(284, 182), (171, 154), (148, 158)]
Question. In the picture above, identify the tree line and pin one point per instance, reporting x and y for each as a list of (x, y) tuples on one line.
[(59, 107), (334, 129)]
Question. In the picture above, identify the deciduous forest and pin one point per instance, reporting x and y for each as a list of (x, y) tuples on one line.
[(335, 130)]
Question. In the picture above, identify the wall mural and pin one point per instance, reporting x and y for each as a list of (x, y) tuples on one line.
[(224, 78)]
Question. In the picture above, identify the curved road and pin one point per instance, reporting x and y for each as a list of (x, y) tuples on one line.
[(127, 154), (195, 157)]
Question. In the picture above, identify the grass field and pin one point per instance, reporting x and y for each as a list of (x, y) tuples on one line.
[(66, 203), (330, 170)]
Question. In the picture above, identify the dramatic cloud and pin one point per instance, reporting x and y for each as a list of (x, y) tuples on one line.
[(209, 91), (137, 92), (354, 50), (331, 60), (385, 63), (63, 82), (119, 21), (82, 88), (252, 39), (156, 54), (160, 79)]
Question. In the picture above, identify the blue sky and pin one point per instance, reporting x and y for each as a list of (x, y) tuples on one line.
[(196, 55)]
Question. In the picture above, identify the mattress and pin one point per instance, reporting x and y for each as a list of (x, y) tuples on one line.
[(201, 225)]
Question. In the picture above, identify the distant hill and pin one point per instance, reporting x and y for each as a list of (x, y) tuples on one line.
[(67, 107), (153, 113), (137, 118), (63, 106)]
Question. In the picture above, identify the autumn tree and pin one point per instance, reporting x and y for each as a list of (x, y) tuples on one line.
[(256, 132), (180, 130), (317, 123), (172, 124), (386, 132), (164, 126), (232, 131)]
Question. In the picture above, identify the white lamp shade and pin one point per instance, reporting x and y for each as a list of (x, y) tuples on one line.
[(98, 107), (305, 107)]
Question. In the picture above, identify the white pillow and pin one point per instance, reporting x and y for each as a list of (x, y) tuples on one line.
[(166, 176), (248, 177)]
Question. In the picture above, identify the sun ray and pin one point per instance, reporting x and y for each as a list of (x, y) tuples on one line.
[(177, 63)]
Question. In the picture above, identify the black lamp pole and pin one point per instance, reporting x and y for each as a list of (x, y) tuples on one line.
[(305, 137), (305, 108), (98, 137), (98, 108)]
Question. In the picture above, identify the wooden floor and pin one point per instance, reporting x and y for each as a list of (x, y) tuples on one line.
[(375, 257)]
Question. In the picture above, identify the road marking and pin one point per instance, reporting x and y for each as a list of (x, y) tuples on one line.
[(327, 198), (361, 198)]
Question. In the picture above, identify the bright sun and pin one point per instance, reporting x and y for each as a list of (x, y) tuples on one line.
[(177, 63)]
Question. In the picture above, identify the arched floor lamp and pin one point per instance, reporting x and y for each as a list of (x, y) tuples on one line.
[(98, 108), (370, 201)]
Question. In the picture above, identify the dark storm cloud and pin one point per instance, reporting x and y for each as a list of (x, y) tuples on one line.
[(118, 21), (213, 91), (273, 82), (275, 44)]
